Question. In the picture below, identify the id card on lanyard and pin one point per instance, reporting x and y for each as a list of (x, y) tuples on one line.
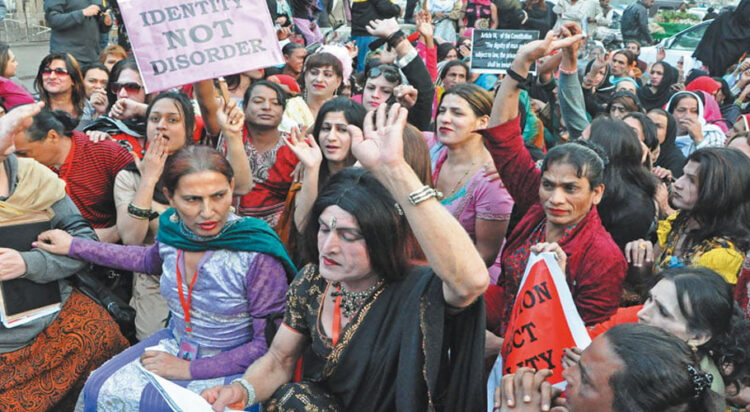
[(188, 347)]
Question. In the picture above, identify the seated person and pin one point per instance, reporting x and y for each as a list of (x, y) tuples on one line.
[(630, 368), (558, 205), (234, 271), (360, 292), (88, 168), (709, 228), (44, 363)]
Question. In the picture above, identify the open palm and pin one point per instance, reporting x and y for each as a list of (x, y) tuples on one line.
[(305, 148), (381, 144)]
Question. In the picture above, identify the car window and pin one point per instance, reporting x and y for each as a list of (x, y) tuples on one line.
[(689, 40)]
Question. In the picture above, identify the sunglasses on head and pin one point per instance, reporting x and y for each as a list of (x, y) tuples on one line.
[(388, 72), (60, 71), (130, 87)]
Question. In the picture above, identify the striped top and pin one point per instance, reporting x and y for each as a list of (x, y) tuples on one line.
[(89, 173)]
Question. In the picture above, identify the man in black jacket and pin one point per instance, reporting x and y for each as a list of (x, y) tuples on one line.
[(634, 22), (363, 12)]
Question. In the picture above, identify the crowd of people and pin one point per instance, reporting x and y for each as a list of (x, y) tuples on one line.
[(349, 230)]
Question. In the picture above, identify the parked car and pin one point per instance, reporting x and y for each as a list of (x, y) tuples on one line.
[(681, 45)]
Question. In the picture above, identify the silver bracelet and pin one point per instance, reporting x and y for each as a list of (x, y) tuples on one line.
[(249, 389), (422, 194)]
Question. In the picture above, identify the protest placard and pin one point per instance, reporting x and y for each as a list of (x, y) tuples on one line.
[(177, 42), (492, 51), (544, 320)]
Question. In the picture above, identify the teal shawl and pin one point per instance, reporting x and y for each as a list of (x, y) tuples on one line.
[(245, 234)]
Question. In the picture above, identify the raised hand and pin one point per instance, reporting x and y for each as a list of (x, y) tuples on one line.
[(383, 28), (16, 121), (153, 161), (406, 95), (536, 49), (381, 143), (423, 20), (305, 148), (231, 119)]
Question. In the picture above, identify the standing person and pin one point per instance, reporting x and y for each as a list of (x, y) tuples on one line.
[(418, 95), (635, 47), (541, 16), (360, 292), (11, 93), (305, 16), (573, 11), (237, 272), (445, 16), (76, 25), (44, 363), (111, 55), (634, 22), (726, 40), (363, 12), (479, 14), (601, 20)]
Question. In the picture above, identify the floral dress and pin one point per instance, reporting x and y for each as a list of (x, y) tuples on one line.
[(717, 253)]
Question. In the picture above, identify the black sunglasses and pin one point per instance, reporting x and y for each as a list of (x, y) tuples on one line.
[(130, 87), (388, 72), (57, 70)]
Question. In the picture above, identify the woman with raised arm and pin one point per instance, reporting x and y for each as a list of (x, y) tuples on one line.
[(359, 293), (563, 208)]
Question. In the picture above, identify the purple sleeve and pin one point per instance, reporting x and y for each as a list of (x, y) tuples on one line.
[(144, 259), (266, 292)]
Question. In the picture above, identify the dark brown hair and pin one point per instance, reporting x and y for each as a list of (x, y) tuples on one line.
[(193, 159), (78, 93)]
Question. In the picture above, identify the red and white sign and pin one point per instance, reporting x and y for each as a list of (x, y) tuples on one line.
[(544, 320), (177, 42)]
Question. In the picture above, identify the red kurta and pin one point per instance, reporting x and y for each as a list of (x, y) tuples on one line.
[(595, 267)]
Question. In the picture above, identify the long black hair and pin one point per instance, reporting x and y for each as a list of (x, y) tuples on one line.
[(354, 113), (656, 374), (723, 205), (713, 310), (384, 229), (627, 208)]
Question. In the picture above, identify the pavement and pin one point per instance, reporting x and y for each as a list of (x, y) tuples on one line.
[(28, 55)]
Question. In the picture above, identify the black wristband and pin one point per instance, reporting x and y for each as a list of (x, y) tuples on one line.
[(523, 82), (395, 38)]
